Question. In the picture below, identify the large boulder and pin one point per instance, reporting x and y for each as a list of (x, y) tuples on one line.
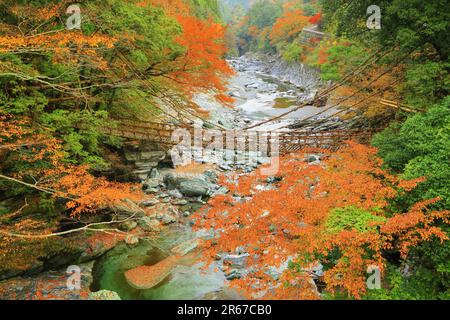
[(193, 188), (188, 186)]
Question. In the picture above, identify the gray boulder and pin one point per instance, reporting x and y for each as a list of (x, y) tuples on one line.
[(191, 187), (154, 174), (149, 203), (233, 274), (166, 218), (148, 224), (180, 202), (175, 193), (151, 183), (236, 260)]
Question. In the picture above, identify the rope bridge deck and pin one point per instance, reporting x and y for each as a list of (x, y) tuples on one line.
[(281, 142)]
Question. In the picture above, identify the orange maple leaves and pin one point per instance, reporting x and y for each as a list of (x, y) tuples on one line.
[(202, 66), (286, 220), (288, 26), (47, 165)]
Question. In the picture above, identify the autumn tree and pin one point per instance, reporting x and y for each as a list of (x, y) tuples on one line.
[(289, 25), (337, 213)]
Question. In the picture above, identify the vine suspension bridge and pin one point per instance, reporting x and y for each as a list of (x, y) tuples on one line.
[(162, 134)]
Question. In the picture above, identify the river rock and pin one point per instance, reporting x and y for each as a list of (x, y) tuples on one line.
[(149, 203), (272, 180), (192, 188), (225, 167), (166, 218), (141, 174), (151, 190), (149, 224), (131, 240), (154, 174), (233, 274), (131, 156), (175, 193), (152, 156), (312, 158), (186, 214), (150, 183), (254, 85), (127, 208), (104, 295), (221, 191), (188, 186), (236, 260), (210, 175), (180, 202)]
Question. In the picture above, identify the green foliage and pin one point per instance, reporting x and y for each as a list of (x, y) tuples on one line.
[(398, 287), (414, 23), (207, 8), (425, 82), (264, 13), (421, 147), (292, 52), (435, 257), (425, 276), (352, 218), (341, 59), (122, 18), (81, 135)]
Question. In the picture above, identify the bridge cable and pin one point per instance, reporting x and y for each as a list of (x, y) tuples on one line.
[(358, 91), (357, 70)]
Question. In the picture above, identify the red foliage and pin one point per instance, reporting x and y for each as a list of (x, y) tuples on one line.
[(316, 18), (288, 222)]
